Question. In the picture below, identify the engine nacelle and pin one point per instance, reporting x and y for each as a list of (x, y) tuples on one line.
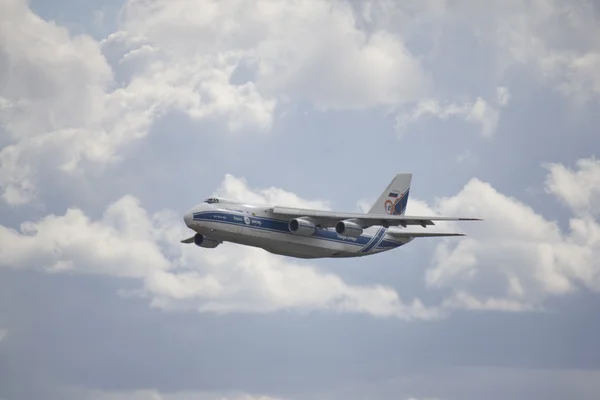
[(203, 241), (348, 228), (302, 226)]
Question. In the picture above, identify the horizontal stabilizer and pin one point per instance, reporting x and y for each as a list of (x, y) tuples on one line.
[(188, 240)]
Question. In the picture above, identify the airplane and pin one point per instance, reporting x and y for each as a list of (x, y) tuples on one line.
[(308, 233)]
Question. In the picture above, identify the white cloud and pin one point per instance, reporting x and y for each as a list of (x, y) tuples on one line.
[(364, 205), (515, 259), (122, 243), (486, 116), (51, 84), (237, 189), (71, 103), (310, 51), (558, 40), (502, 95), (60, 105), (582, 76), (580, 189), (197, 83), (479, 112)]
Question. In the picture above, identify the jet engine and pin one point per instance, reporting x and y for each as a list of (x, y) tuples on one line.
[(203, 241), (302, 226), (348, 228)]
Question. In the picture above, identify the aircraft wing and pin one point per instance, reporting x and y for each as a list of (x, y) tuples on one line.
[(330, 218)]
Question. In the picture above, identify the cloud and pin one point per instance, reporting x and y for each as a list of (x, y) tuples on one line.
[(310, 51), (479, 112), (364, 205), (49, 88), (122, 243), (237, 189), (580, 189), (582, 76), (502, 95), (72, 104), (557, 40), (516, 258), (65, 109), (128, 242), (198, 84)]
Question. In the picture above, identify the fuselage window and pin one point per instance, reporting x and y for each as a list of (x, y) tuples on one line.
[(211, 201)]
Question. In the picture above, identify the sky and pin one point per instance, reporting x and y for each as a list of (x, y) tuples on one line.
[(118, 116)]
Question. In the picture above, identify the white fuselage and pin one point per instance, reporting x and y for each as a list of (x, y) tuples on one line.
[(257, 226)]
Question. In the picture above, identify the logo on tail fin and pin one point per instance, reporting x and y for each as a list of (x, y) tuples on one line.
[(396, 204), (388, 206)]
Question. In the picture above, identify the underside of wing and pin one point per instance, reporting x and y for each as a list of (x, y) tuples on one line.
[(330, 218)]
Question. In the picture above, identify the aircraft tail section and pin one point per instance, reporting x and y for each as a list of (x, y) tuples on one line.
[(394, 199)]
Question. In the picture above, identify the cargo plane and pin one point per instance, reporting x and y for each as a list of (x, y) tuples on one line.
[(308, 233)]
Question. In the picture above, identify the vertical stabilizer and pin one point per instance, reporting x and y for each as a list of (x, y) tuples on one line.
[(394, 198)]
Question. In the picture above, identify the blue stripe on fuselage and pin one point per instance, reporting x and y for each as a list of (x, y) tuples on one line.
[(375, 240), (386, 244), (275, 225), (370, 241)]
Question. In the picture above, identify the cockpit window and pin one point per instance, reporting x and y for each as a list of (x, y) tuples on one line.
[(211, 200)]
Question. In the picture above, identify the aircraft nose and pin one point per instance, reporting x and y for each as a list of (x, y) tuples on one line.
[(188, 218)]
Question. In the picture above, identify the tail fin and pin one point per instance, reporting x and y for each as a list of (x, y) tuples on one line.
[(394, 199)]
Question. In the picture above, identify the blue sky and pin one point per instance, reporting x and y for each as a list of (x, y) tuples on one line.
[(117, 116)]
